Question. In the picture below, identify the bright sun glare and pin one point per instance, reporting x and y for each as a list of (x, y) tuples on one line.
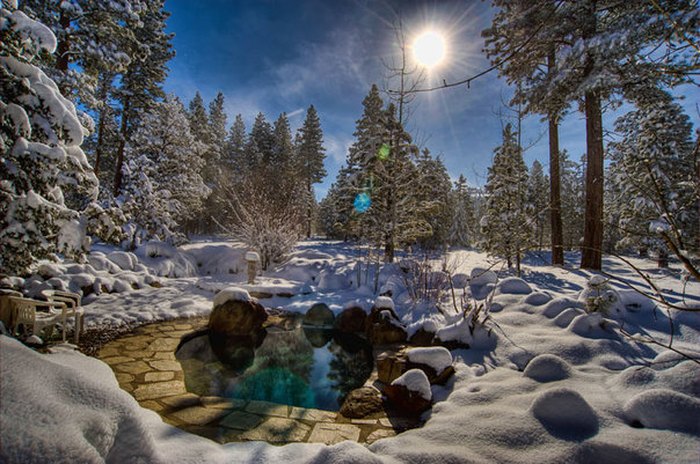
[(429, 49)]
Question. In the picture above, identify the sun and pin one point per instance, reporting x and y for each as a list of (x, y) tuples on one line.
[(429, 49)]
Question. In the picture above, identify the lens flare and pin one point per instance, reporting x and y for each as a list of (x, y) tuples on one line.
[(362, 202), (429, 49), (383, 152)]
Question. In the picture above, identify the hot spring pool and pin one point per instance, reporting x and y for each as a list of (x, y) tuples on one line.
[(305, 367)]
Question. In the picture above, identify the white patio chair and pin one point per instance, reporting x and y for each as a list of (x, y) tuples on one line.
[(73, 308), (25, 312)]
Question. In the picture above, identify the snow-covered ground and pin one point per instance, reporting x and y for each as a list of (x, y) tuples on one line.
[(544, 381)]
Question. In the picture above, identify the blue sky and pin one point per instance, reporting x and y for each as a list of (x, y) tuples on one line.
[(281, 56)]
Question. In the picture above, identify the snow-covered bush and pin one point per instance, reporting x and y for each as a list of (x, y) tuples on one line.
[(598, 296), (45, 175)]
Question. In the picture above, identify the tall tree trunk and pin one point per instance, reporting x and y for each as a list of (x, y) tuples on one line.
[(101, 126), (591, 254), (62, 49), (309, 189), (120, 149), (557, 230)]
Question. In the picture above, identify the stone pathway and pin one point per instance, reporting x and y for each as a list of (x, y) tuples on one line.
[(145, 366)]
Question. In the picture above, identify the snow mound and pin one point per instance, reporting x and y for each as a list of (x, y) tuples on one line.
[(593, 326), (125, 260), (437, 357), (547, 368), (415, 381), (513, 286), (565, 414), (165, 260), (480, 277), (565, 317), (329, 280), (558, 305), (537, 299), (664, 409), (96, 422)]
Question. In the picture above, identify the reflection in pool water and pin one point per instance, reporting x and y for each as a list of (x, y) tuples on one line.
[(311, 368)]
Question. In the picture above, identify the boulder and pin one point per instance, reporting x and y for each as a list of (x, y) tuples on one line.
[(435, 362), (410, 394), (351, 320), (318, 337), (237, 317), (390, 366), (383, 327), (319, 315), (422, 337), (362, 402)]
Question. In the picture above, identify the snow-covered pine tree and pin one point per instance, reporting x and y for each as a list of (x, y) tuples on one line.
[(164, 137), (507, 223), (148, 208), (235, 147), (433, 195), (653, 166), (572, 200), (338, 216), (40, 137), (538, 199), (531, 68), (384, 175), (217, 130), (310, 153), (259, 145), (460, 233), (141, 83), (95, 44)]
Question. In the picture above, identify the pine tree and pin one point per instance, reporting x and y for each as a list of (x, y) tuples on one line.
[(149, 209), (385, 179), (235, 147), (259, 146), (433, 195), (141, 84), (217, 131), (460, 233), (538, 199), (653, 169), (164, 138), (310, 154), (42, 163), (532, 68), (572, 200), (506, 223)]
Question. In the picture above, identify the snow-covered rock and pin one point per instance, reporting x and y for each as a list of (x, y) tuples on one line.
[(437, 357), (565, 413), (232, 294)]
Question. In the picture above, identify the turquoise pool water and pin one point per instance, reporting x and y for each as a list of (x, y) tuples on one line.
[(311, 368)]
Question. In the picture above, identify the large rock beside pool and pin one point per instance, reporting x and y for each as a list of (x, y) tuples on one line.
[(362, 402), (383, 326), (351, 320), (236, 313), (319, 315), (410, 394)]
